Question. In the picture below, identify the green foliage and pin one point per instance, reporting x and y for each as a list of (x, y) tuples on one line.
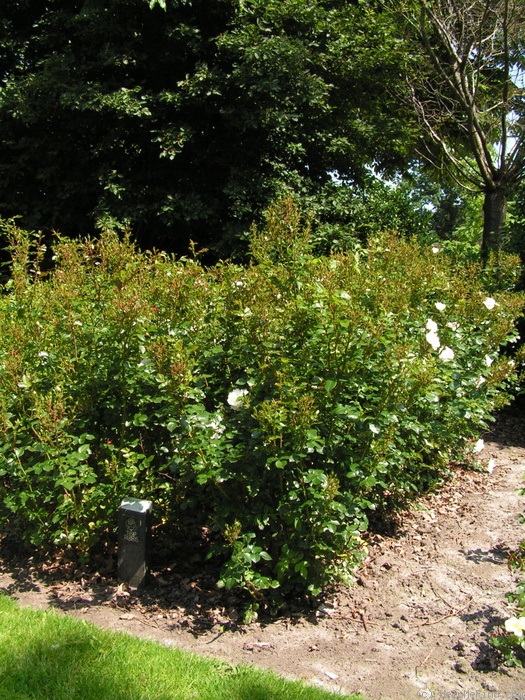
[(277, 405), (345, 216), (512, 644)]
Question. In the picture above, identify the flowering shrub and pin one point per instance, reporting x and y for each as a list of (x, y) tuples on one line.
[(277, 404)]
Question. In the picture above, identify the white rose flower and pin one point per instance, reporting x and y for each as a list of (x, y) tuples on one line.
[(490, 303), (235, 398), (433, 339), (446, 354), (432, 326), (217, 426), (515, 625), (488, 360), (479, 445), (440, 306)]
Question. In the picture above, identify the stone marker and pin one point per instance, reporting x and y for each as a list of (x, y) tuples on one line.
[(134, 524)]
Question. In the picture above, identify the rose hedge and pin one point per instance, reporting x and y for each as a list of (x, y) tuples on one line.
[(277, 404)]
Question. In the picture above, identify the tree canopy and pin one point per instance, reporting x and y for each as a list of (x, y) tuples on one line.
[(185, 121)]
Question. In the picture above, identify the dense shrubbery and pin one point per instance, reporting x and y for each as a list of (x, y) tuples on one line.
[(280, 402)]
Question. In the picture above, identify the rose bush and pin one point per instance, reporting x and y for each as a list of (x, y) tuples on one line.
[(278, 404)]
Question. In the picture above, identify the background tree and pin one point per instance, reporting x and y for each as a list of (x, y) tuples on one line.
[(469, 95), (187, 122)]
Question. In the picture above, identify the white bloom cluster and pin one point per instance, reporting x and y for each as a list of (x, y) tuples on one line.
[(217, 426), (432, 337), (235, 398)]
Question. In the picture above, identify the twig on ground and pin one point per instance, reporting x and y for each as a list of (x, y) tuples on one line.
[(440, 596), (444, 617), (363, 620)]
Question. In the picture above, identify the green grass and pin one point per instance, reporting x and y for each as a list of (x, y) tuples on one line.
[(48, 656)]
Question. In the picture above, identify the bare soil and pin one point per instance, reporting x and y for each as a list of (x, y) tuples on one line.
[(417, 623)]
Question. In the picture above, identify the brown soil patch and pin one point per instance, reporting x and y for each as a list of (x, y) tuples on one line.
[(417, 623)]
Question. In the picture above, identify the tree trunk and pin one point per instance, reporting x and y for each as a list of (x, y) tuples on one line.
[(494, 216)]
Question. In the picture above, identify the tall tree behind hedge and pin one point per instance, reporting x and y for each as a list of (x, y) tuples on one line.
[(186, 121), (468, 90)]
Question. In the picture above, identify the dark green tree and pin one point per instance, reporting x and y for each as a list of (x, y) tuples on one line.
[(185, 121)]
